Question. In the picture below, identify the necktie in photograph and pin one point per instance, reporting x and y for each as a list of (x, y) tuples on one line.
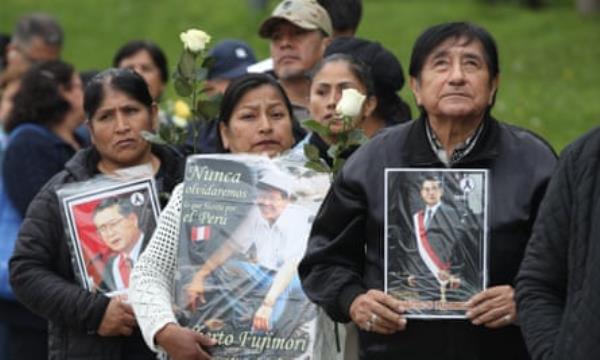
[(125, 269), (427, 217)]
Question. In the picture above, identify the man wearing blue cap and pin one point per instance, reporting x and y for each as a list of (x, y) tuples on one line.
[(231, 59)]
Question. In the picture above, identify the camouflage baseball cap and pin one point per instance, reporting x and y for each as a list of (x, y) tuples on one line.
[(307, 14)]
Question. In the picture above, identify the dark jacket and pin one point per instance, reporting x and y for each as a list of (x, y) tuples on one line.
[(558, 286), (345, 249), (42, 275), (32, 157)]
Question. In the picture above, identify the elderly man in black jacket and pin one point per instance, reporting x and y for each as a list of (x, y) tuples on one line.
[(558, 285), (454, 76)]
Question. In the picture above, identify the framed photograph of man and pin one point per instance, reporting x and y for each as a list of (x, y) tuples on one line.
[(109, 224), (435, 239)]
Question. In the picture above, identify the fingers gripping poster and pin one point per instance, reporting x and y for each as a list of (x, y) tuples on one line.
[(435, 237), (244, 228)]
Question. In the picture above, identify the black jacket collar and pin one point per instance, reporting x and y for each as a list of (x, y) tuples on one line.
[(418, 151)]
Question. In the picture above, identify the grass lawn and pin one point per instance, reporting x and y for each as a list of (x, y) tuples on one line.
[(550, 59)]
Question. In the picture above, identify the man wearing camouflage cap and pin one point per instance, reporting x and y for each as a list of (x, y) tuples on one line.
[(299, 31)]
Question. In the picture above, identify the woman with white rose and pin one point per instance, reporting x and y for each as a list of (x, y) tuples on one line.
[(342, 86)]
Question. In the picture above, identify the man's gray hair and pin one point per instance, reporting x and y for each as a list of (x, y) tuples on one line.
[(43, 26)]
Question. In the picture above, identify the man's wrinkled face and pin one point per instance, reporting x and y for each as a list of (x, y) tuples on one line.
[(455, 81)]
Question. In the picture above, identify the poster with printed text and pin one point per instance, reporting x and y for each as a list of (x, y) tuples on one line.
[(108, 225), (245, 224), (435, 239)]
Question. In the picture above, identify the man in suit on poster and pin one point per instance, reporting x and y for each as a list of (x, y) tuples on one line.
[(118, 226), (440, 236)]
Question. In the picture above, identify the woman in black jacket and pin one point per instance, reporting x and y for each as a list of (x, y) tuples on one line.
[(85, 325)]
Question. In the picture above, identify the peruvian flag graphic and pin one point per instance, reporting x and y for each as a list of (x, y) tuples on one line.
[(200, 233)]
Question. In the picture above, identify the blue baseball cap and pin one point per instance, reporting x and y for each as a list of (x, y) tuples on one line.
[(232, 58)]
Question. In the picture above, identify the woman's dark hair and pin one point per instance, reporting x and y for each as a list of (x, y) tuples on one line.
[(358, 68), (124, 80), (39, 99), (133, 47), (242, 85), (345, 14), (435, 35)]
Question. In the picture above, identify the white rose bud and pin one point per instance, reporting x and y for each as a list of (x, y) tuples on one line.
[(194, 40), (179, 121), (351, 103)]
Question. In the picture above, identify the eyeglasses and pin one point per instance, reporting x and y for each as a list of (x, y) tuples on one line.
[(110, 226)]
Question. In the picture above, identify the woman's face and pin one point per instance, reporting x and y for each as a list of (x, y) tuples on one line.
[(116, 129), (141, 62), (326, 91), (260, 123)]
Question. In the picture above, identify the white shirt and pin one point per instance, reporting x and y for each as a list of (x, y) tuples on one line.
[(279, 243)]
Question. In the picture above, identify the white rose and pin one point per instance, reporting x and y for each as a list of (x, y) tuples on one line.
[(351, 103), (194, 40), (179, 121)]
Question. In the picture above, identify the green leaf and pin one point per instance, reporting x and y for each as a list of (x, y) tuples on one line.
[(208, 108), (337, 165), (317, 166), (316, 127), (209, 62), (201, 74), (311, 152), (186, 65), (153, 138), (333, 151), (182, 87), (356, 137)]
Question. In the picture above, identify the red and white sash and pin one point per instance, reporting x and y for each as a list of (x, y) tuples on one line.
[(431, 259)]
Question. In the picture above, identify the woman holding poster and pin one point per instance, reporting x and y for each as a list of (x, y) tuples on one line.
[(256, 118), (85, 324)]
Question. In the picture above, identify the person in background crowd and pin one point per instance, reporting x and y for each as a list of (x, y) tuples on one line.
[(148, 60), (83, 324), (386, 72), (255, 117), (46, 110), (345, 16), (48, 107), (557, 285), (454, 77), (332, 75), (231, 59), (36, 37), (10, 311), (299, 32)]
